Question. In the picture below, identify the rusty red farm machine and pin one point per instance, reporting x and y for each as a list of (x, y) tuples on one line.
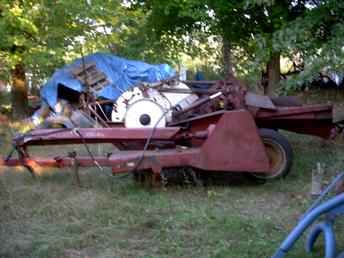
[(219, 128)]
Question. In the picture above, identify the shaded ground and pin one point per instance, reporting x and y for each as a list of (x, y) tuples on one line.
[(51, 217)]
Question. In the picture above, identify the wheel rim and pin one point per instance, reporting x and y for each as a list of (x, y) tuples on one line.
[(277, 159)]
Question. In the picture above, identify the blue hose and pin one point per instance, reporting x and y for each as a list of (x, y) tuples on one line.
[(330, 187), (329, 238), (306, 221)]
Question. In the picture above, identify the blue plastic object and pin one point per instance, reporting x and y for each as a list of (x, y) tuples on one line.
[(122, 74), (329, 238), (331, 208)]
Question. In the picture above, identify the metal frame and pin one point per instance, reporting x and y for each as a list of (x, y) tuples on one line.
[(219, 141)]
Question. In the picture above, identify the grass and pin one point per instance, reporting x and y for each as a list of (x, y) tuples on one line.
[(51, 217)]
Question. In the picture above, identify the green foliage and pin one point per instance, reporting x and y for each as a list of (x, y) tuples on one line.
[(40, 33), (318, 36), (241, 23), (256, 29), (135, 40), (44, 35)]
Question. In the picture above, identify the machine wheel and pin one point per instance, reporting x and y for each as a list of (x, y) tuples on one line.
[(144, 178), (280, 154)]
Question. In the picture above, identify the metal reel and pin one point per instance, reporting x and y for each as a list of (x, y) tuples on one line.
[(145, 113)]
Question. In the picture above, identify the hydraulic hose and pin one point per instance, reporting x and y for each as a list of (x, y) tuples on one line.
[(329, 238), (305, 222)]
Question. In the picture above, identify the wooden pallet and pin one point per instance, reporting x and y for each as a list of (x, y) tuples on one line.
[(90, 76)]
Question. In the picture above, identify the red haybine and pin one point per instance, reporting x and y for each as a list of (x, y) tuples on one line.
[(227, 129)]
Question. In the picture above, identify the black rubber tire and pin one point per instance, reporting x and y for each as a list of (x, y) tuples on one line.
[(279, 152)]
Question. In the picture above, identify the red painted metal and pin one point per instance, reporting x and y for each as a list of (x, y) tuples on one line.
[(226, 148), (57, 162), (155, 160), (234, 145), (313, 119), (310, 111), (218, 141), (120, 162), (94, 135), (212, 134)]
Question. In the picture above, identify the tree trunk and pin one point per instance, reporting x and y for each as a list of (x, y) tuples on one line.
[(19, 92), (227, 58), (273, 71)]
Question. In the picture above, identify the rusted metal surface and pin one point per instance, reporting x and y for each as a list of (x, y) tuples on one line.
[(154, 160), (310, 119), (57, 162), (309, 111), (93, 135), (313, 120), (234, 145), (120, 162), (226, 148), (276, 113), (217, 133), (230, 95)]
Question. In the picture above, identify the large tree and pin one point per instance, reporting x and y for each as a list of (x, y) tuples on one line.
[(318, 39), (255, 33), (39, 35)]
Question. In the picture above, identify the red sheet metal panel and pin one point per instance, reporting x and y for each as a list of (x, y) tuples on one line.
[(310, 111), (234, 145), (313, 120)]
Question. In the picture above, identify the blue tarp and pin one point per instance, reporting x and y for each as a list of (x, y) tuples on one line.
[(122, 74)]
